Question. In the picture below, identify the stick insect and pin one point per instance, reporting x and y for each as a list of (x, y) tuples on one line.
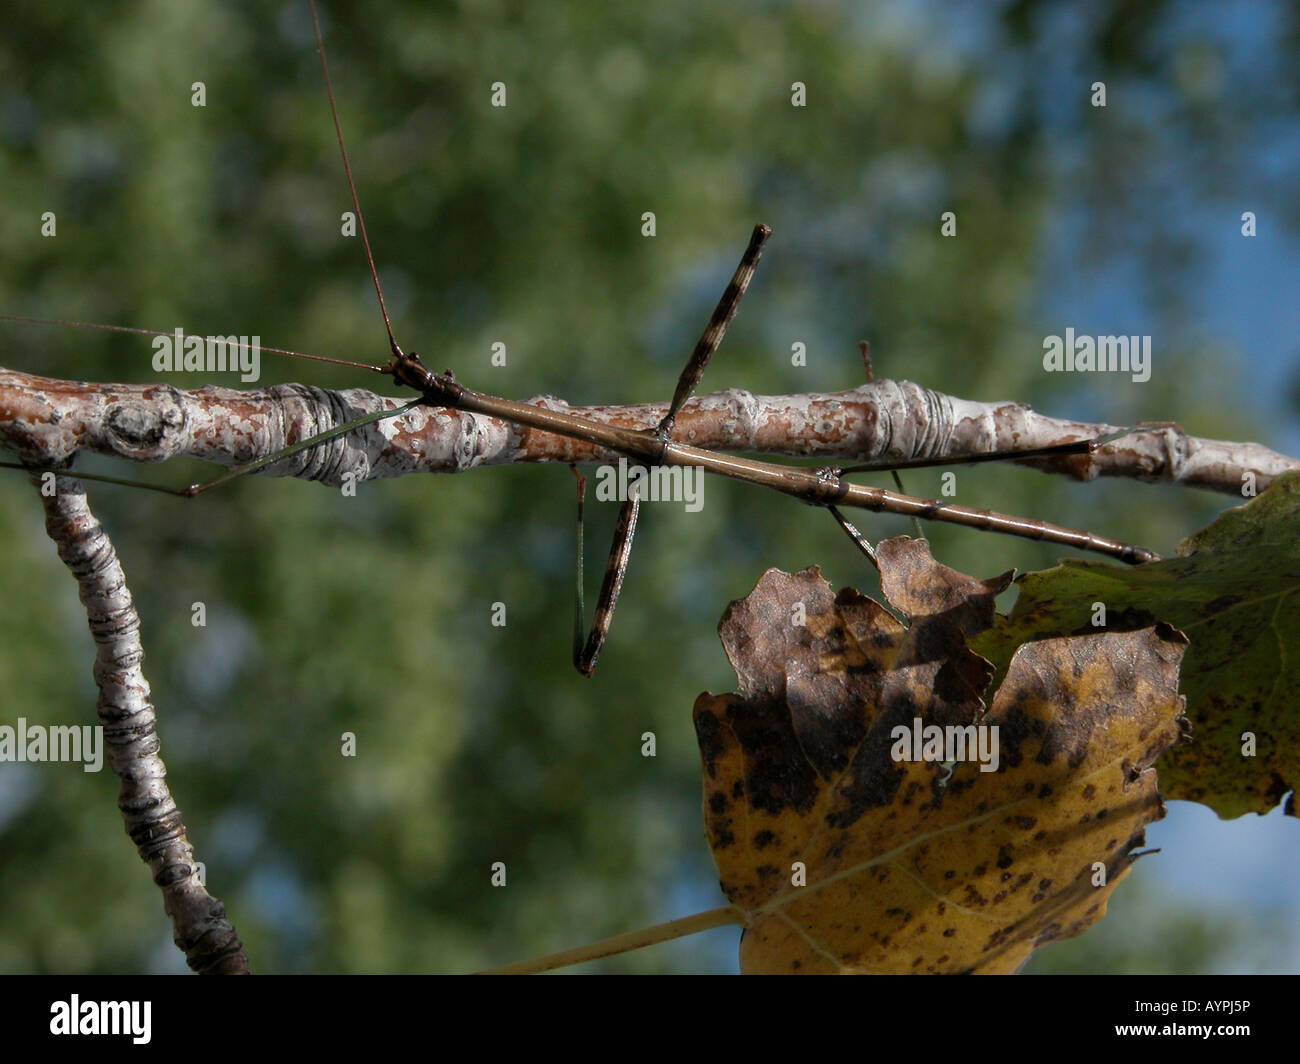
[(825, 487)]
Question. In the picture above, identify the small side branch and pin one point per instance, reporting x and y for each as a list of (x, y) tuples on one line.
[(152, 818)]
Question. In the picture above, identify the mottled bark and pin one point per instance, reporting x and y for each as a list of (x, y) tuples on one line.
[(47, 421), (153, 819)]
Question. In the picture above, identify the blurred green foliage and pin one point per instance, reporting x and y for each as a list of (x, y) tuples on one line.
[(372, 615)]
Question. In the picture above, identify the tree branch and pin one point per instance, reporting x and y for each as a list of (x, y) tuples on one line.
[(46, 422), (153, 820)]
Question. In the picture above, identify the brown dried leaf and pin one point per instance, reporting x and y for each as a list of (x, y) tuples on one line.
[(909, 869)]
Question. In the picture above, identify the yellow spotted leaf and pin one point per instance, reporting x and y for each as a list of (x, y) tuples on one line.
[(845, 856), (1234, 591)]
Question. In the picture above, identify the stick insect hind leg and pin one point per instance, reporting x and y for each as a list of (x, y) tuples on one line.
[(832, 475), (587, 647)]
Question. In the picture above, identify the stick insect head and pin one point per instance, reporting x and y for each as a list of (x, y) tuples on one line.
[(410, 370)]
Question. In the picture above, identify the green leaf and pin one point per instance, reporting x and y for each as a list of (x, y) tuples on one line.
[(1234, 590)]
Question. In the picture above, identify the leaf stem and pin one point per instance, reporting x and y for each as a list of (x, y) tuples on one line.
[(629, 940)]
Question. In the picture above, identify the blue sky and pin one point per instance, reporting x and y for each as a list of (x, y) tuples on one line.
[(1241, 301)]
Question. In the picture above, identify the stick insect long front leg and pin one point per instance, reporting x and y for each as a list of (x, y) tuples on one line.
[(192, 490)]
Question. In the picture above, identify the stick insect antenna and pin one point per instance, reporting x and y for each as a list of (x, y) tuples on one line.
[(352, 188), (158, 332)]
